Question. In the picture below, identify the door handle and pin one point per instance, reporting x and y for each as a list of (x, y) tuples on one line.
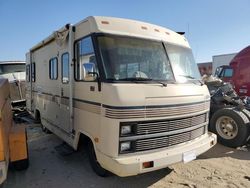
[(62, 92)]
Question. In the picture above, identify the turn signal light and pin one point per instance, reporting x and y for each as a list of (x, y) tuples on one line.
[(105, 22), (148, 164)]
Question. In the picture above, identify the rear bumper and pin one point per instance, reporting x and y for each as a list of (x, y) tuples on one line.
[(3, 171), (133, 165)]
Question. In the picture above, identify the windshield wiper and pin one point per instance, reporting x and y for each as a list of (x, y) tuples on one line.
[(139, 79), (193, 78), (187, 76), (162, 83), (135, 79)]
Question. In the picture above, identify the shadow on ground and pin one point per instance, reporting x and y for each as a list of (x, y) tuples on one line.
[(50, 169), (242, 153)]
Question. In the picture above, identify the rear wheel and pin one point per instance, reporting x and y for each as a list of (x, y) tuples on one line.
[(230, 126), (94, 163), (44, 129)]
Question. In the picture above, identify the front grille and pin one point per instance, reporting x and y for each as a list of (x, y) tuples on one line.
[(151, 127), (155, 111), (166, 141)]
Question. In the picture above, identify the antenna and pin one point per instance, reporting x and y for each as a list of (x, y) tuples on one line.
[(188, 33)]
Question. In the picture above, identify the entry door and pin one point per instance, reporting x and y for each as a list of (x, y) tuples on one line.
[(64, 93)]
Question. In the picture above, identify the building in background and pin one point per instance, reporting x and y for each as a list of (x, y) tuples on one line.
[(218, 60), (205, 68)]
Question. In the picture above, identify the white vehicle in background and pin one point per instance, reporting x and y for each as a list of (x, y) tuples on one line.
[(14, 71), (131, 89)]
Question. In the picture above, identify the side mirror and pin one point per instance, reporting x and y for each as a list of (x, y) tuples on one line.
[(87, 70)]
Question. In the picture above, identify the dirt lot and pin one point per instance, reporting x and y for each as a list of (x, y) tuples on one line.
[(219, 167)]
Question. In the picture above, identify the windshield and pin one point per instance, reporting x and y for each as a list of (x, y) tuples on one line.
[(11, 68), (183, 63), (221, 72), (126, 58)]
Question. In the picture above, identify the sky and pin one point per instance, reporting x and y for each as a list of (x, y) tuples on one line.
[(212, 27)]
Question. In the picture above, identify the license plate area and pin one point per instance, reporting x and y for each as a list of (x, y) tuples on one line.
[(189, 156)]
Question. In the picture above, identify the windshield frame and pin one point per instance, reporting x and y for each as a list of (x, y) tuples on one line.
[(189, 78), (12, 65), (101, 62)]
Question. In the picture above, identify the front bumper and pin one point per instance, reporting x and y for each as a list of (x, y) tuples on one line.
[(132, 165)]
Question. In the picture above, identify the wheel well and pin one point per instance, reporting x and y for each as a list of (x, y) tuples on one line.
[(37, 116), (83, 141)]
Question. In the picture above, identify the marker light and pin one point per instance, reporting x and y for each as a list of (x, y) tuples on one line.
[(105, 22)]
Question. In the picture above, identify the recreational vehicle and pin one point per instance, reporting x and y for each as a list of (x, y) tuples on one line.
[(130, 89)]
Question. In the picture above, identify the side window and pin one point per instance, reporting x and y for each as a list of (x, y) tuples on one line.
[(28, 73), (228, 73), (65, 68), (84, 54), (33, 72), (53, 68)]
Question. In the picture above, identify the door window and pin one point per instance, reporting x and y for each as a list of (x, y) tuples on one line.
[(65, 68), (53, 68)]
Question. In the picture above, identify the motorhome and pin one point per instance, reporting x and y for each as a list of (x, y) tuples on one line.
[(131, 89)]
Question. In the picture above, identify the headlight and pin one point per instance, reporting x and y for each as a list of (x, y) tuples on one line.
[(125, 146), (126, 129)]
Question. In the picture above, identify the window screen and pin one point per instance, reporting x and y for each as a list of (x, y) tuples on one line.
[(28, 73), (33, 72), (65, 68), (53, 68)]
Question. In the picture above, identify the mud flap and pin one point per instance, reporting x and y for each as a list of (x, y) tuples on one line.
[(18, 147)]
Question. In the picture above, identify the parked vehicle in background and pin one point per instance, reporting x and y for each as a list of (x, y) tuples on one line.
[(14, 71), (229, 115), (237, 73), (222, 59), (13, 140), (130, 89)]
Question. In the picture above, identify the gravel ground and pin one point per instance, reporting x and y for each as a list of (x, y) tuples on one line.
[(219, 167)]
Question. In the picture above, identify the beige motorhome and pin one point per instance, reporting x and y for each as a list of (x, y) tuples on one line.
[(130, 89)]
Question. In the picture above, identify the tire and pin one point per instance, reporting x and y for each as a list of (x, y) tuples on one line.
[(37, 117), (247, 113), (94, 163), (45, 130), (231, 127)]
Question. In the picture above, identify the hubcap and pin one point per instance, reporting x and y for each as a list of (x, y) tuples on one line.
[(226, 127)]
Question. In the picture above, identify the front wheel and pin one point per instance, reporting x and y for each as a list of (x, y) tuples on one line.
[(230, 126), (94, 163), (44, 129)]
